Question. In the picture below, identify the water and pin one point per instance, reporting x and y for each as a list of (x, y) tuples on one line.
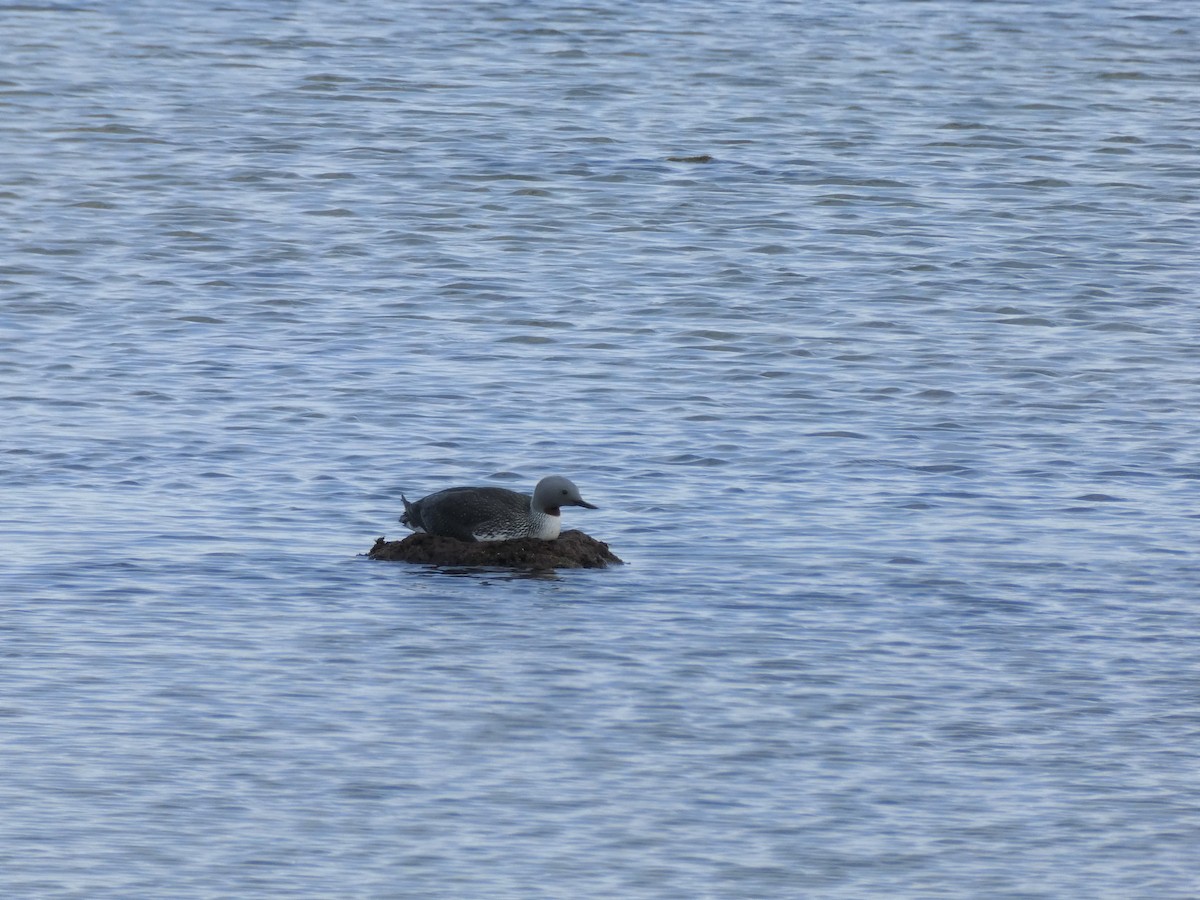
[(871, 328)]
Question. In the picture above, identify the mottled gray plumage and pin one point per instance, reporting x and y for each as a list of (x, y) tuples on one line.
[(492, 513)]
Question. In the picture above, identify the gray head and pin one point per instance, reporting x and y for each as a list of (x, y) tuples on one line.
[(554, 491)]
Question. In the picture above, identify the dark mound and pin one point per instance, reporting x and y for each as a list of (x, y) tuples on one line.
[(570, 550)]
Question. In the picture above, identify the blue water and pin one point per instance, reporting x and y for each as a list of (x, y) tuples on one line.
[(871, 328)]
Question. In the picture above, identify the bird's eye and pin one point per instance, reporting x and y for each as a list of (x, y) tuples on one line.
[(564, 492)]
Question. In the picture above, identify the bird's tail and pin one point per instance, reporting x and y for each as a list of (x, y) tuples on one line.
[(410, 517)]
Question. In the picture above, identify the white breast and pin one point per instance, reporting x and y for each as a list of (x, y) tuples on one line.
[(548, 528)]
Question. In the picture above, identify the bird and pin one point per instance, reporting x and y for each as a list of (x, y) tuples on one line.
[(492, 513)]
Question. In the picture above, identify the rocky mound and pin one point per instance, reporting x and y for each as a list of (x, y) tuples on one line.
[(570, 550)]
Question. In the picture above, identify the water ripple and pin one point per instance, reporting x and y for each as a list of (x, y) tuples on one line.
[(869, 330)]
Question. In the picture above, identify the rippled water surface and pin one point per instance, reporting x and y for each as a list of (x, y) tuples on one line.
[(872, 329)]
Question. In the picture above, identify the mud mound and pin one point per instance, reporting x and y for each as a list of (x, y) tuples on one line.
[(570, 550)]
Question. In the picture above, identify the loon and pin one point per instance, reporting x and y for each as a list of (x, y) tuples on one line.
[(492, 513)]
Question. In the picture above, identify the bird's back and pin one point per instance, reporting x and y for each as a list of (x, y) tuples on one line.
[(471, 513)]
